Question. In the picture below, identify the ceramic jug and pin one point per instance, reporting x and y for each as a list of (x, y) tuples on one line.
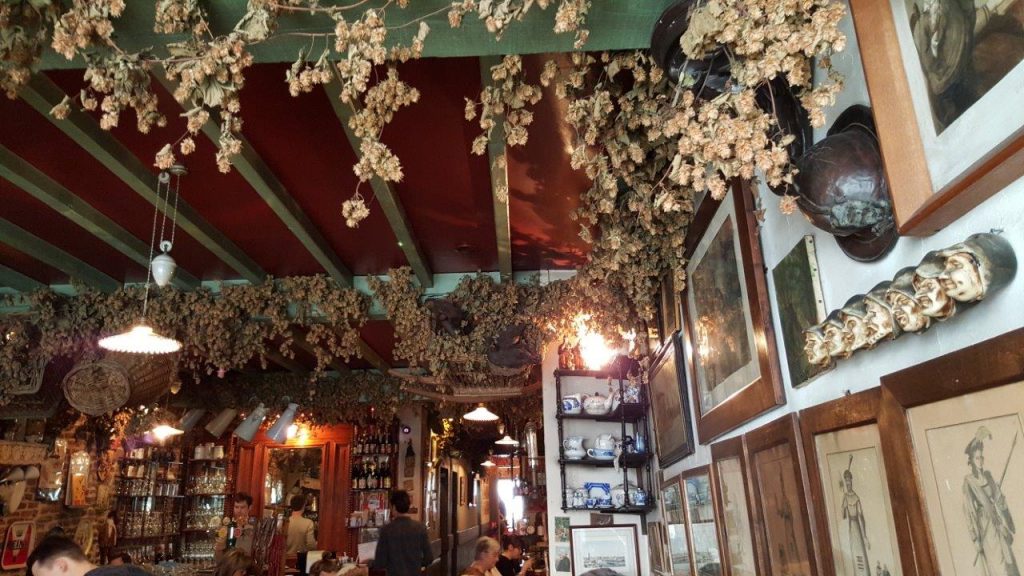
[(572, 448), (572, 404)]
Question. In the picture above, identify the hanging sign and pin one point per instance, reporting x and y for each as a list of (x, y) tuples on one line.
[(17, 545)]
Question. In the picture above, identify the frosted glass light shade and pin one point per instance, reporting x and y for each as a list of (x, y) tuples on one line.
[(480, 414), (140, 340), (279, 431)]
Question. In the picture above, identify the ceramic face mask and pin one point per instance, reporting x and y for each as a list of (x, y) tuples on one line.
[(934, 301)]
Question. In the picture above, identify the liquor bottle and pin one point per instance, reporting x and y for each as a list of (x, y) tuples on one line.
[(232, 538), (356, 447)]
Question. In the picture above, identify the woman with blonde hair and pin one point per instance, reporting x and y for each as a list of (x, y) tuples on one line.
[(485, 557)]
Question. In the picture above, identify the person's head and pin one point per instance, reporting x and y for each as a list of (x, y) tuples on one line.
[(243, 502), (325, 568), (513, 549), (976, 455), (401, 501), (57, 556), (234, 562), (121, 559), (486, 552), (112, 515), (298, 503), (848, 479)]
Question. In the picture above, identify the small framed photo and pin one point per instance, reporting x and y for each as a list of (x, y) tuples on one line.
[(734, 503), (701, 522), (955, 457), (847, 477), (783, 508), (600, 550)]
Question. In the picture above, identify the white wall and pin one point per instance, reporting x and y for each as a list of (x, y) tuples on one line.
[(842, 278)]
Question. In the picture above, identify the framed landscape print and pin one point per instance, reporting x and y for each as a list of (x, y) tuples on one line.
[(669, 403), (730, 345), (674, 514), (701, 523), (601, 550), (848, 483), (945, 79), (800, 305), (733, 501), (955, 452), (777, 476)]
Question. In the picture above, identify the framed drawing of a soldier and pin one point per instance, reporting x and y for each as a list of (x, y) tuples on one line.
[(847, 481), (730, 342), (779, 486), (954, 439), (734, 502), (945, 78)]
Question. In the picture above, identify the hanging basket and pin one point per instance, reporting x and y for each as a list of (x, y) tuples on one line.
[(102, 386), (97, 387)]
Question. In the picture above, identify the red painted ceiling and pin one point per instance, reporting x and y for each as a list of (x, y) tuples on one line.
[(446, 191)]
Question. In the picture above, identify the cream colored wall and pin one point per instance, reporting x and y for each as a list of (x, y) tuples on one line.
[(841, 278)]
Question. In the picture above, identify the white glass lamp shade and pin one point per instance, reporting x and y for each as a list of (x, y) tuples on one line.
[(191, 418), (140, 340), (165, 431), (219, 425), (248, 428), (507, 441), (279, 431), (480, 414), (487, 463), (163, 267)]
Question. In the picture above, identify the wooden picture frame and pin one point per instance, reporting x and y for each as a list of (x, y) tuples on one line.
[(783, 513), (730, 342), (734, 504), (702, 521), (927, 198), (677, 544), (670, 406), (614, 546), (970, 378), (799, 304), (845, 431)]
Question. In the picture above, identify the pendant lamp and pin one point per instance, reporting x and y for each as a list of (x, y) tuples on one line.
[(141, 339), (480, 414), (248, 428), (278, 432)]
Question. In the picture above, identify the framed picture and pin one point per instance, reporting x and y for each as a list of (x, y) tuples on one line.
[(848, 483), (17, 545), (701, 522), (604, 550), (733, 501), (599, 519), (730, 346), (945, 80), (670, 321), (779, 487), (800, 305), (955, 455), (674, 514), (656, 541), (669, 403), (561, 559), (561, 528)]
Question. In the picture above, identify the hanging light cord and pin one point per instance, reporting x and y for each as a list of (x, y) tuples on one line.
[(163, 200)]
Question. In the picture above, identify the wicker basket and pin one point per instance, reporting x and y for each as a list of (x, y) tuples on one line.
[(98, 387)]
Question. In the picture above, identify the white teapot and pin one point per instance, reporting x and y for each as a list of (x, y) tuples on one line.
[(597, 405), (605, 442)]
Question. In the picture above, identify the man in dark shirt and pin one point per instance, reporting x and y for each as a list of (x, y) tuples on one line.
[(404, 546), (60, 556), (510, 563)]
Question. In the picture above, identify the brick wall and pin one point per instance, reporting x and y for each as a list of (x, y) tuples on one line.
[(47, 515)]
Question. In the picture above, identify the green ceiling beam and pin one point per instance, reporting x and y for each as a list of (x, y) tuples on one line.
[(613, 25), (499, 180), (289, 364), (24, 241), (42, 94), (371, 356), (11, 278), (17, 171), (386, 196)]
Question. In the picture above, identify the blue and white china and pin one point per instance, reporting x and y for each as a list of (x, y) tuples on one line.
[(600, 492), (572, 448), (597, 405), (604, 442), (572, 404), (598, 454)]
